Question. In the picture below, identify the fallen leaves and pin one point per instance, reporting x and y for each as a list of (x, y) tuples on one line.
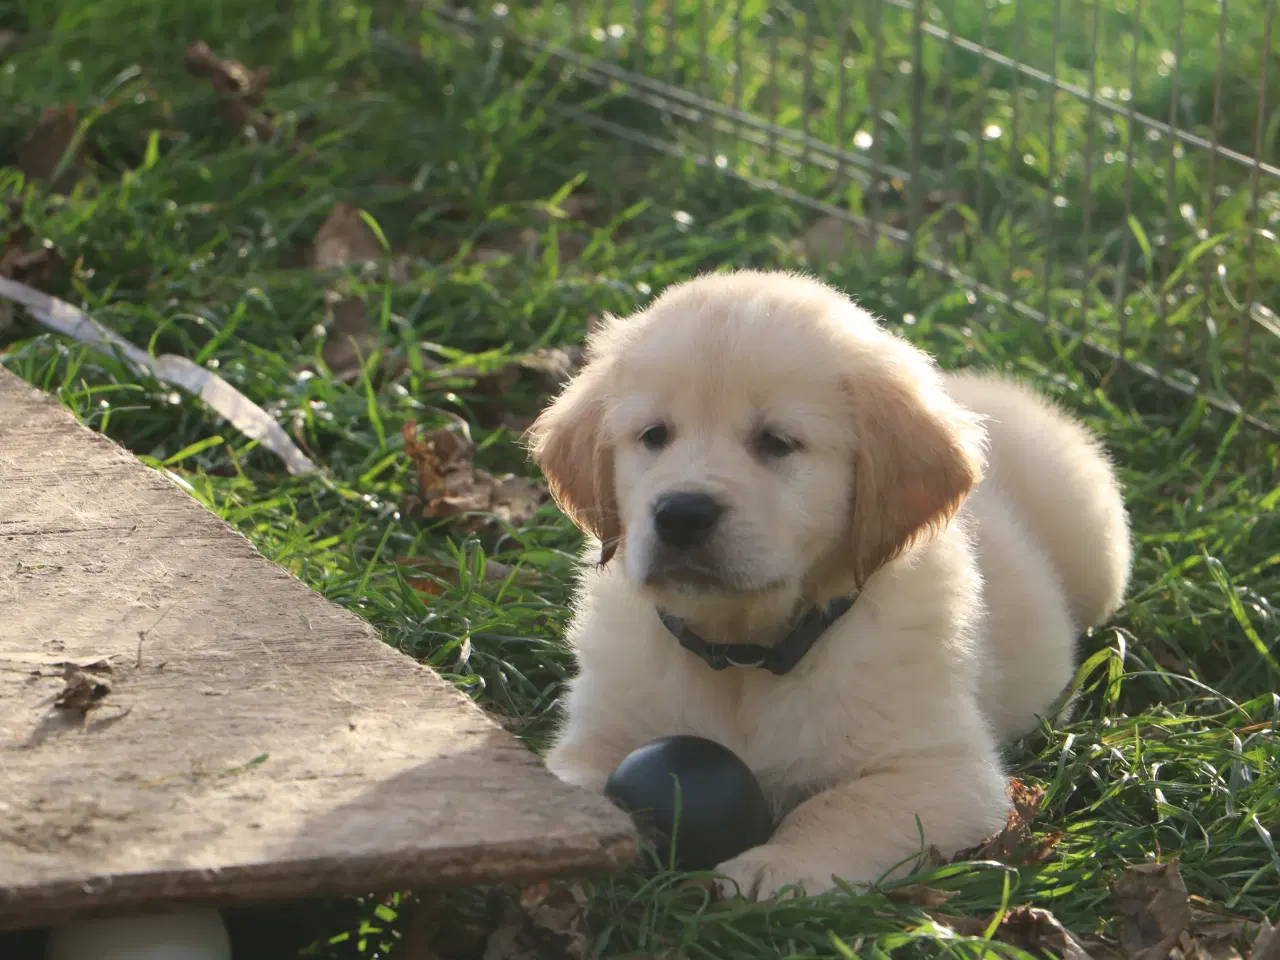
[(451, 487), (542, 921), (1032, 929), (1016, 844), (346, 240), (570, 215), (241, 90), (920, 895), (440, 574), (493, 397), (31, 267), (1152, 902), (18, 261), (1029, 928), (542, 373), (241, 93), (431, 931), (545, 921), (1266, 946), (49, 152), (1036, 930), (10, 40), (831, 239), (1157, 921), (83, 687)]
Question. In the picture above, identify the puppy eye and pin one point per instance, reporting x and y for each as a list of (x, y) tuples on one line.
[(770, 443), (655, 437)]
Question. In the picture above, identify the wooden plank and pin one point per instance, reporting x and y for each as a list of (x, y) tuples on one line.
[(264, 744)]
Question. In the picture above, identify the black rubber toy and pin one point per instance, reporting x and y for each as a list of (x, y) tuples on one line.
[(722, 810)]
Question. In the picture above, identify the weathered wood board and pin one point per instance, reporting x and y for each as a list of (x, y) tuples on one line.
[(259, 743)]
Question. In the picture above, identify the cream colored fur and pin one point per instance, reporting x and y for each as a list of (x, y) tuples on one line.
[(885, 738)]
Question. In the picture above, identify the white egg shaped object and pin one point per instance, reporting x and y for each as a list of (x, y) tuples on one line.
[(184, 934)]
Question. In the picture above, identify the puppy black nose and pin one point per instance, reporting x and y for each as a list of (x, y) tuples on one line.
[(686, 519)]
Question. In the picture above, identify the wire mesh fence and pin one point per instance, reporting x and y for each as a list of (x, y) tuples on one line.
[(1107, 167)]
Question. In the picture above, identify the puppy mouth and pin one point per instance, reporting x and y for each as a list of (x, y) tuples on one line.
[(691, 573)]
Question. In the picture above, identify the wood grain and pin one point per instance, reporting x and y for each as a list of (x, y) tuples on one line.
[(265, 744)]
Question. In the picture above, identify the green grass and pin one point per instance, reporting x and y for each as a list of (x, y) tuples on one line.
[(197, 246), (1150, 257)]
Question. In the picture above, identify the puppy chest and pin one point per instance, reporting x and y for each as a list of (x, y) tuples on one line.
[(798, 745)]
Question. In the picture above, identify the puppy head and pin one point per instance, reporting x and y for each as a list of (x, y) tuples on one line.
[(755, 434)]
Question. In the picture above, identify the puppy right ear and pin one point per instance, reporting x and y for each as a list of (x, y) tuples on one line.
[(919, 454), (568, 445)]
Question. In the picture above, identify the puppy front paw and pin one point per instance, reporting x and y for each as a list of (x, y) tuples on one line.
[(584, 777), (579, 767), (764, 871)]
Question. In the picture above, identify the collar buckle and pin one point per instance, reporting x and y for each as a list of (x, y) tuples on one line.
[(780, 659)]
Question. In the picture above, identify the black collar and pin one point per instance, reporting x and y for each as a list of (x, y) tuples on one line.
[(779, 659)]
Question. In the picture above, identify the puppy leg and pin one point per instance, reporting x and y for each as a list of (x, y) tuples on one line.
[(586, 755), (600, 728), (863, 829)]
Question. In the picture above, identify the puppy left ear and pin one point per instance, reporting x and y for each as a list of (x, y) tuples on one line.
[(919, 454), (567, 443)]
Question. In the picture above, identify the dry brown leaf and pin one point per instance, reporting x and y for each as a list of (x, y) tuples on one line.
[(349, 340), (1214, 935), (1155, 910), (346, 240), (523, 241), (1190, 947), (95, 665), (1167, 659), (450, 485), (229, 77), (494, 572), (1038, 931), (509, 940), (240, 92), (50, 665), (554, 365), (41, 151), (920, 895), (1033, 929), (421, 926), (545, 371), (560, 910), (711, 886), (514, 500), (964, 926), (432, 931), (32, 267), (1266, 946), (570, 245), (577, 206), (1215, 925), (9, 41), (82, 691), (544, 923), (1016, 844), (831, 239)]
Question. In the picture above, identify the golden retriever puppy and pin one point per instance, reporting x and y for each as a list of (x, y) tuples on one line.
[(758, 462)]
